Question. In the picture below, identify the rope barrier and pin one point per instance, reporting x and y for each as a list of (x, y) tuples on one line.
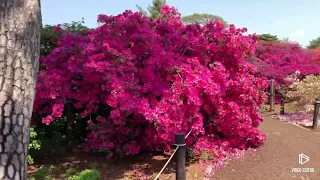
[(166, 163), (178, 145), (188, 134), (174, 153)]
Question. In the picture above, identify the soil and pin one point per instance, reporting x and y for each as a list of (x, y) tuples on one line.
[(128, 168)]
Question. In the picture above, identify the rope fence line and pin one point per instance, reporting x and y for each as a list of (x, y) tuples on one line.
[(178, 145)]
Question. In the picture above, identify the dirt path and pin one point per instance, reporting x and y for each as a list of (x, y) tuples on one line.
[(278, 156)]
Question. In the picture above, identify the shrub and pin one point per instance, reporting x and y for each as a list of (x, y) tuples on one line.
[(304, 93), (71, 172), (140, 81), (34, 145), (44, 173), (86, 175), (279, 60), (315, 54)]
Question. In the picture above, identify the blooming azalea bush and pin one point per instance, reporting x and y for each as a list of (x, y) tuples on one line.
[(296, 73), (58, 80), (286, 63), (315, 54), (141, 81), (281, 60)]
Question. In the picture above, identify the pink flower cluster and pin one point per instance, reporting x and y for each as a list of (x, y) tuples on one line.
[(278, 60), (155, 78), (300, 118)]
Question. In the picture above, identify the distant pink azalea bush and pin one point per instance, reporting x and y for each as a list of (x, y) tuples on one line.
[(280, 60)]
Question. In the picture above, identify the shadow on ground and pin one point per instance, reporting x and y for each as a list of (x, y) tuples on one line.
[(133, 167)]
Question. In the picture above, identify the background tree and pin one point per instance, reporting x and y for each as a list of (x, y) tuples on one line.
[(268, 37), (314, 43), (20, 28), (202, 19), (285, 40), (154, 9), (49, 35)]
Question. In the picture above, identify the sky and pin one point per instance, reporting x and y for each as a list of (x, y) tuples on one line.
[(296, 19)]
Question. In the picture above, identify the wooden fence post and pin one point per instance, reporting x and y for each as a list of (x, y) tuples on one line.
[(272, 95), (180, 157), (316, 113)]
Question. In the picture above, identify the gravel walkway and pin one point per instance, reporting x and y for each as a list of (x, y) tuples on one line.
[(276, 158)]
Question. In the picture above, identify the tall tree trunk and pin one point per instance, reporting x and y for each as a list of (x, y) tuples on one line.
[(20, 25)]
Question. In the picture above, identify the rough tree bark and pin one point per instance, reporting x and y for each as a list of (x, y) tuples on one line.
[(20, 25)]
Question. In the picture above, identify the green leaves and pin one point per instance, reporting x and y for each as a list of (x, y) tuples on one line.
[(154, 10), (202, 19), (86, 175), (34, 144), (268, 37), (314, 43), (49, 37)]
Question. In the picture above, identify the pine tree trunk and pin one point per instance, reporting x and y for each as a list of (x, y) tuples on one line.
[(20, 25)]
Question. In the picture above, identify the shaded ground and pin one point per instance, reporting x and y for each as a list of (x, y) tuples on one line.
[(274, 160), (129, 168)]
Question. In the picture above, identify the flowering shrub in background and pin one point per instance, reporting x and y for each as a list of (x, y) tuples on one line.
[(315, 54), (142, 80), (286, 63), (301, 97), (279, 60), (305, 92)]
